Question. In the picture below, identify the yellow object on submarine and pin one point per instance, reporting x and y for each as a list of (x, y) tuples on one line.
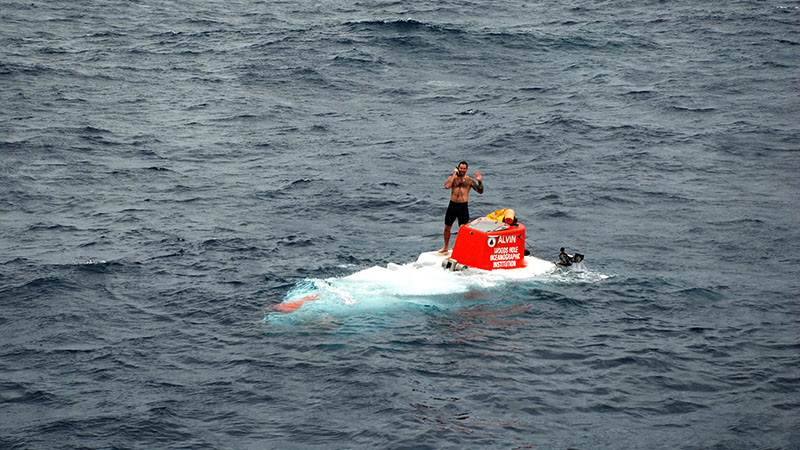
[(502, 215)]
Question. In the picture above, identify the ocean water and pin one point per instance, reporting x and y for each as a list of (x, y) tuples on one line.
[(172, 171)]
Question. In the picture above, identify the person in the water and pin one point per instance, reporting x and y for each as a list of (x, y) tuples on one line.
[(459, 184)]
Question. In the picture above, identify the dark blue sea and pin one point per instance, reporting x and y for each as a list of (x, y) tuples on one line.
[(171, 171)]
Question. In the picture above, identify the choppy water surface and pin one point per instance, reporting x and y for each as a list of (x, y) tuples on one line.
[(172, 171)]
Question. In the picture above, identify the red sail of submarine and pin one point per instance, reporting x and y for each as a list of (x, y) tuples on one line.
[(494, 242)]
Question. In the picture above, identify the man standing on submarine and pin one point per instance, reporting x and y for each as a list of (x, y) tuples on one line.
[(460, 184)]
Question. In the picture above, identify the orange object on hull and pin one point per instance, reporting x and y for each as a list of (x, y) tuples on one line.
[(490, 245), (294, 305), (509, 216)]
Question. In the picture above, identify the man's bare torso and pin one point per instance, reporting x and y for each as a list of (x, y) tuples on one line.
[(460, 189)]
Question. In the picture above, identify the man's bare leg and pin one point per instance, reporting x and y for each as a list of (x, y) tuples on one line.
[(446, 247)]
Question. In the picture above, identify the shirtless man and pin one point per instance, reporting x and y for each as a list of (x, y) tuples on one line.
[(460, 184)]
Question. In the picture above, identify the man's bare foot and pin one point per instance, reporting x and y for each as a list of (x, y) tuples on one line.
[(444, 251)]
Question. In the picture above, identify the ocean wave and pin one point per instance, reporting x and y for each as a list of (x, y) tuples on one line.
[(400, 25), (13, 392)]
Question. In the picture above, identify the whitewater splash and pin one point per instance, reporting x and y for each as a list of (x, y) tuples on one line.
[(423, 283)]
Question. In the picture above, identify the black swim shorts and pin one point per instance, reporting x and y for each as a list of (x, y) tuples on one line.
[(455, 211)]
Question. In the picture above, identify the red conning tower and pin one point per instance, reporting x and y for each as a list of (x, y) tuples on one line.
[(490, 245)]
